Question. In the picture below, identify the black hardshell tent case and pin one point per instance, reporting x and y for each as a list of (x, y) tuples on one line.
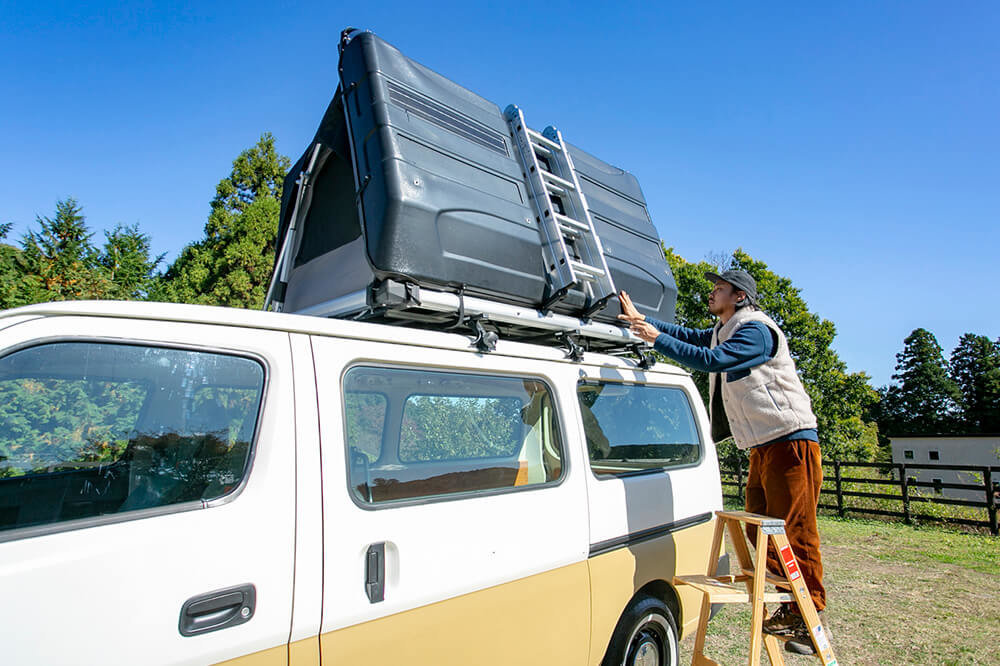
[(420, 187)]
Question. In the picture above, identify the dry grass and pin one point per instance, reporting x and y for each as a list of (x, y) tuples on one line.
[(897, 595)]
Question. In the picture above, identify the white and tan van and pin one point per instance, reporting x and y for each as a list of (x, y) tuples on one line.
[(194, 485)]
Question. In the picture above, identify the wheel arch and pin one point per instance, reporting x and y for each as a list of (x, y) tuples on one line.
[(666, 593)]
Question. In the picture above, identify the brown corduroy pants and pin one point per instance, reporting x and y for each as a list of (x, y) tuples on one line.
[(784, 482)]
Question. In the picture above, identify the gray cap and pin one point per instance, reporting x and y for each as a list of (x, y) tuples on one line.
[(741, 280)]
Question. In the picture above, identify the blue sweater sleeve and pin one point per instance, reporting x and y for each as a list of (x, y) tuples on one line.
[(694, 336), (750, 346)]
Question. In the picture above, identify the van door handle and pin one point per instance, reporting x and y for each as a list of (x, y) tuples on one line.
[(217, 610), (375, 572)]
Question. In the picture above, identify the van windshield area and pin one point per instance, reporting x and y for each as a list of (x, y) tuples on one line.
[(89, 429), (635, 428)]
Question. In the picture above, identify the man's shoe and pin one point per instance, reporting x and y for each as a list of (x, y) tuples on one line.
[(784, 622), (800, 642)]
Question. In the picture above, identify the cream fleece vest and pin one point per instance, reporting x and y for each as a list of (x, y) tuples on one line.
[(767, 401)]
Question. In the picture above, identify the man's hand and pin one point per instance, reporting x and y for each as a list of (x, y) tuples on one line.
[(629, 313), (645, 331)]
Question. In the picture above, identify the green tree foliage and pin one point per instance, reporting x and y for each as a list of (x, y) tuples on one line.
[(10, 274), (841, 400), (975, 370), (46, 422), (923, 398), (443, 427), (126, 263), (59, 261), (232, 264)]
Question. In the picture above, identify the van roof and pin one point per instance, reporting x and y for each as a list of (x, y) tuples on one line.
[(292, 323)]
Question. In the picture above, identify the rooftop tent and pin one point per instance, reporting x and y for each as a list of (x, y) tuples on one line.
[(421, 183)]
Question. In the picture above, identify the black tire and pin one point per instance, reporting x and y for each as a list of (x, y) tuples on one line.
[(646, 635)]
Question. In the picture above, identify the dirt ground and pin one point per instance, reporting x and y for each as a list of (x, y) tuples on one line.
[(896, 595)]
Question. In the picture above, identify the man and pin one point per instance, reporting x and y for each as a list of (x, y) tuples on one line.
[(756, 397)]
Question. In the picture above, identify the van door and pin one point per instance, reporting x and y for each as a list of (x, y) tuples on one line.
[(653, 485), (147, 480), (455, 520), (653, 466)]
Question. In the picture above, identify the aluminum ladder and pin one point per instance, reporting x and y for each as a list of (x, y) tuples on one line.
[(571, 247)]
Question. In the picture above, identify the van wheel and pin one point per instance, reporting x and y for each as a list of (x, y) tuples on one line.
[(646, 635)]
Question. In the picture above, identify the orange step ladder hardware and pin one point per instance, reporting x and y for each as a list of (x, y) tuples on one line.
[(754, 575)]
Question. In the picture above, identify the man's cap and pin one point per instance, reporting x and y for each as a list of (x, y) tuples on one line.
[(741, 280)]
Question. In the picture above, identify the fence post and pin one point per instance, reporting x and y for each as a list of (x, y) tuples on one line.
[(739, 481), (991, 505), (840, 489), (904, 485)]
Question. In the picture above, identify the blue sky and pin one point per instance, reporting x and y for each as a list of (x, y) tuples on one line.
[(852, 146)]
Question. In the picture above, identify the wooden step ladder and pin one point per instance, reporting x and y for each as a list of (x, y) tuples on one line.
[(754, 575)]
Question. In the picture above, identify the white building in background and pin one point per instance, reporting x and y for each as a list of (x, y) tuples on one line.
[(976, 450)]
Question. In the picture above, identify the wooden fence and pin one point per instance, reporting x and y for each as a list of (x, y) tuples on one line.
[(841, 477)]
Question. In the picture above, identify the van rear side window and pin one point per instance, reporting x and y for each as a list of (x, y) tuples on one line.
[(419, 434), (632, 427), (89, 429)]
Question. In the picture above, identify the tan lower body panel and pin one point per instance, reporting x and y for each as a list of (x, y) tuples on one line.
[(541, 619), (299, 653), (616, 576)]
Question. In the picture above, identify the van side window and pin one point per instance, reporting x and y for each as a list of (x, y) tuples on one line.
[(89, 429), (633, 427), (418, 434)]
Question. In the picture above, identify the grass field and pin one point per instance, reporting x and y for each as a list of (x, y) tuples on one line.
[(896, 595)]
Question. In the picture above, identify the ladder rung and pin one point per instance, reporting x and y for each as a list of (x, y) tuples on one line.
[(541, 140), (547, 175), (554, 189), (570, 222), (541, 150), (586, 269), (570, 232)]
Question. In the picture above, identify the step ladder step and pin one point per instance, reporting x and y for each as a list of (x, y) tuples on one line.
[(722, 590), (751, 518), (769, 577)]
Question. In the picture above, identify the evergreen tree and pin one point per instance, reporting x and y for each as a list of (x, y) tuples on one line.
[(126, 263), (232, 264), (924, 399), (58, 261), (10, 274), (975, 370)]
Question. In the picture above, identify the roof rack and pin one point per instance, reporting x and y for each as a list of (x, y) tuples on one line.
[(409, 304)]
